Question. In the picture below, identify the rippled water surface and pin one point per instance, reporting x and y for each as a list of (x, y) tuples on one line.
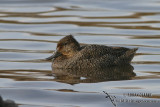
[(30, 29)]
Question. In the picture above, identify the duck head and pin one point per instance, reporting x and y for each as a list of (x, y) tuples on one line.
[(67, 46)]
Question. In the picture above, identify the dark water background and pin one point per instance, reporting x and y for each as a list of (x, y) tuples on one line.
[(30, 29)]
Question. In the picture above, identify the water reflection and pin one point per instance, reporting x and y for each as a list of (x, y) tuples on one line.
[(94, 75)]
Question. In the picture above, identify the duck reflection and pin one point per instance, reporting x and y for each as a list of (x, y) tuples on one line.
[(114, 73)]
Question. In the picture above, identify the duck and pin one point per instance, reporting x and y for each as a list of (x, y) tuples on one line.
[(70, 54)]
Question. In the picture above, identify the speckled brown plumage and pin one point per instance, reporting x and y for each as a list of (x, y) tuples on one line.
[(71, 55)]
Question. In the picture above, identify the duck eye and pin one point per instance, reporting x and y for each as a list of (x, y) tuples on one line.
[(65, 43)]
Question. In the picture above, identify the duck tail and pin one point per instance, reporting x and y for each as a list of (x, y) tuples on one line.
[(130, 54), (127, 57)]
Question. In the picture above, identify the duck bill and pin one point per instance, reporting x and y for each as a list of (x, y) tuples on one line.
[(55, 55)]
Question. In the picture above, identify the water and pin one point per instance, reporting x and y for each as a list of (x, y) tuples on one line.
[(30, 29)]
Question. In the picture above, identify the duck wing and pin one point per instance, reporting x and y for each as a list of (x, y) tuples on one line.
[(96, 51), (101, 54)]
